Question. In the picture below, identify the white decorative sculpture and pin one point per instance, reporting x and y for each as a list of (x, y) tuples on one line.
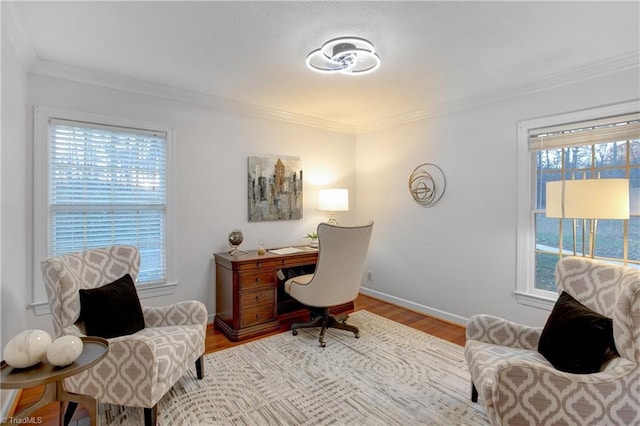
[(27, 348), (64, 350)]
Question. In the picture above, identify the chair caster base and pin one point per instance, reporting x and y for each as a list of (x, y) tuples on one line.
[(324, 321)]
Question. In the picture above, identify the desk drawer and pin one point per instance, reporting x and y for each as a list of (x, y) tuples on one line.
[(247, 280), (278, 262), (260, 264), (255, 298), (256, 315)]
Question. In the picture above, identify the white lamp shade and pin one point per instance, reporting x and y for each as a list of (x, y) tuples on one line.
[(334, 199), (588, 199)]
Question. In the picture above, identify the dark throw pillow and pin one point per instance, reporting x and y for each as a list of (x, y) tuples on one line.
[(111, 310), (576, 339)]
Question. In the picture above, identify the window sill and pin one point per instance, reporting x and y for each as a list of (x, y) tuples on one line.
[(535, 300), (145, 291)]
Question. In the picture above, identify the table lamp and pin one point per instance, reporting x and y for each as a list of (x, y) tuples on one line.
[(333, 200), (590, 199)]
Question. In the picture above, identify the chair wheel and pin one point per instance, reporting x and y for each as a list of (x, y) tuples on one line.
[(294, 332), (323, 344), (357, 335)]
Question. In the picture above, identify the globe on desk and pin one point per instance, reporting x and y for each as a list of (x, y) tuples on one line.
[(235, 238)]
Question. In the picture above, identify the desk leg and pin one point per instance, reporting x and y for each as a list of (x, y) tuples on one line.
[(88, 402)]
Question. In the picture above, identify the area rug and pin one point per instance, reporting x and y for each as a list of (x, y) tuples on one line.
[(391, 375)]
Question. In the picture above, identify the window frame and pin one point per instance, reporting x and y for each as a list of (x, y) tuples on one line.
[(525, 291), (41, 118)]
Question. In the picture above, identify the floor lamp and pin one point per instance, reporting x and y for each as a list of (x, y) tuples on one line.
[(587, 199), (333, 200)]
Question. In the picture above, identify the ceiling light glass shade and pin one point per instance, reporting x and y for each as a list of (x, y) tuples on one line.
[(345, 55), (588, 199)]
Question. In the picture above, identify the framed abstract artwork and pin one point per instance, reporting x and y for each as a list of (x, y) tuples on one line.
[(275, 188)]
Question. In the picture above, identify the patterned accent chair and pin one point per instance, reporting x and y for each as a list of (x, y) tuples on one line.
[(519, 386), (141, 367)]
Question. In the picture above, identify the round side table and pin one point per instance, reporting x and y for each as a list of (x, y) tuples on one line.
[(44, 373)]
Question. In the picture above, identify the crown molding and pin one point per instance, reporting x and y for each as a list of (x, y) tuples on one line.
[(564, 78), (18, 38), (589, 71), (112, 81)]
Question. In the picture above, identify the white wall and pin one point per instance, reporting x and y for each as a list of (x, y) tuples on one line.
[(211, 150), (15, 183), (452, 260), (458, 258)]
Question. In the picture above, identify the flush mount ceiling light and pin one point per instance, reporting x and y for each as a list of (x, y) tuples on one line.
[(345, 55)]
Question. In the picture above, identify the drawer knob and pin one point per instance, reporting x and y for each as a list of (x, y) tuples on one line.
[(258, 264), (258, 316), (257, 280), (257, 298)]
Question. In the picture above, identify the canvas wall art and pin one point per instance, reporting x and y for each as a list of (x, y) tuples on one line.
[(275, 188)]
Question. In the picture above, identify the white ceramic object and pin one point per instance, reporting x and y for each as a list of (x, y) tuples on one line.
[(64, 350), (27, 348)]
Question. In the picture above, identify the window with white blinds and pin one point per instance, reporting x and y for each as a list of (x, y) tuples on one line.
[(617, 128), (596, 143), (107, 185)]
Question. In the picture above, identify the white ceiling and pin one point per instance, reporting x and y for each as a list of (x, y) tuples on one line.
[(433, 53)]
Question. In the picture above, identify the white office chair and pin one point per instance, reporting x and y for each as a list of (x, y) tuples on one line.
[(337, 278)]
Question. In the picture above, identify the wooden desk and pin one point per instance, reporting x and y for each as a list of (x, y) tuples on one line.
[(249, 297)]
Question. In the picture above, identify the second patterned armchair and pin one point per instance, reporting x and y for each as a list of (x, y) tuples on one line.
[(142, 366), (520, 386)]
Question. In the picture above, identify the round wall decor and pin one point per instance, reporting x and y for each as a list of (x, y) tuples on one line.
[(427, 184)]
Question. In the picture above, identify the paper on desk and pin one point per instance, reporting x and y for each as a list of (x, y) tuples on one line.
[(286, 250)]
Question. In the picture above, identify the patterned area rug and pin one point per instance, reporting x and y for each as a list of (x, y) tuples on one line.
[(391, 375)]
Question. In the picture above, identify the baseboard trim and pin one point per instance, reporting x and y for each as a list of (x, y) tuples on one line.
[(416, 307)]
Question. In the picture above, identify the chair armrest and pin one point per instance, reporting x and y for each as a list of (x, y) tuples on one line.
[(301, 279), (133, 349), (618, 368), (143, 345), (182, 313), (524, 386), (498, 331)]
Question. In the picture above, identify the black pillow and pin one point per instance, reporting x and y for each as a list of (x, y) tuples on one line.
[(576, 339), (111, 310)]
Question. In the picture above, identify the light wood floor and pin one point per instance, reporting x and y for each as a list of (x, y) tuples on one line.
[(216, 341)]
